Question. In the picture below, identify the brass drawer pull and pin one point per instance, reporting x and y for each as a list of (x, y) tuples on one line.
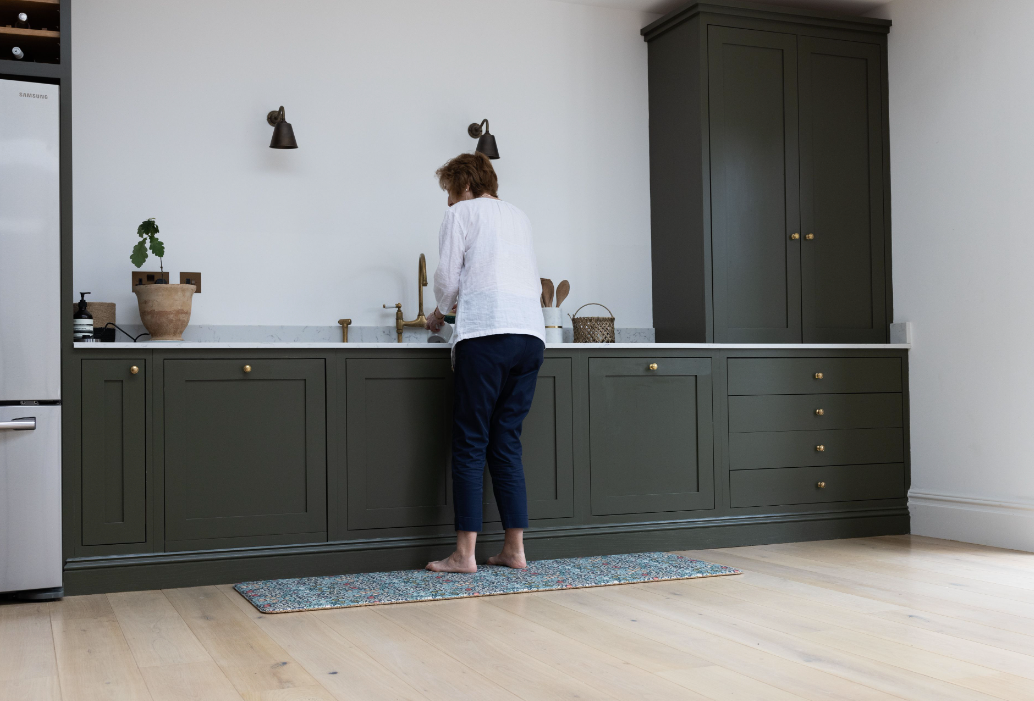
[(246, 368), (134, 370), (820, 412), (821, 485), (652, 366), (820, 448), (809, 236), (818, 376), (794, 237)]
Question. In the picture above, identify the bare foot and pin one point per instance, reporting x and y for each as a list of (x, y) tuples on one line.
[(453, 563), (509, 559)]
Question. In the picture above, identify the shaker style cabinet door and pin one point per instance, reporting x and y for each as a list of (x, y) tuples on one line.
[(842, 192), (546, 439), (114, 449), (245, 452), (398, 432), (650, 432), (752, 94)]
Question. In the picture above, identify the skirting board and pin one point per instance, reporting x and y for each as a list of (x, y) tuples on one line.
[(996, 523)]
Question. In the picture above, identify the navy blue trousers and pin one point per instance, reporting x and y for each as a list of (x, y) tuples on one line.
[(495, 382)]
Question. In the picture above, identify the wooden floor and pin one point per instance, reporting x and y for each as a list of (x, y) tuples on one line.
[(876, 618)]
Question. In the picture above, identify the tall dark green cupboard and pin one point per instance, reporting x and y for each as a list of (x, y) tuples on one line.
[(769, 182)]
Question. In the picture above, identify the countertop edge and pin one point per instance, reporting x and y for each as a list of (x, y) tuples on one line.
[(216, 345)]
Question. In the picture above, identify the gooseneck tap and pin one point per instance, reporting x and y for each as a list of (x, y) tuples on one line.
[(420, 321)]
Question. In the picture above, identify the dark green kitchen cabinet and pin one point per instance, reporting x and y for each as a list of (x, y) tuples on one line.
[(769, 188), (651, 435), (398, 427), (245, 452), (114, 451)]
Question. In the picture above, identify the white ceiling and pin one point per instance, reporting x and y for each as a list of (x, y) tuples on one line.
[(851, 7)]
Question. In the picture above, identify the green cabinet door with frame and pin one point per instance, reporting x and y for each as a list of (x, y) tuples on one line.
[(547, 443), (245, 452), (843, 264), (651, 435), (398, 426), (114, 451), (755, 201)]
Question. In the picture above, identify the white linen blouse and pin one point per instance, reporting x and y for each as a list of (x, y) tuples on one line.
[(487, 265)]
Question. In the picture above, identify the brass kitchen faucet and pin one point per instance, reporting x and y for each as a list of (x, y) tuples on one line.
[(420, 321)]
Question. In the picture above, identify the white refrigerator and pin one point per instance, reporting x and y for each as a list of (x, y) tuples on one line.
[(30, 340)]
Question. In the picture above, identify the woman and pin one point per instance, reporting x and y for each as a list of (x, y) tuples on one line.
[(487, 265)]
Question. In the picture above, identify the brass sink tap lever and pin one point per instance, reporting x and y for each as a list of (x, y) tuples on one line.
[(420, 321)]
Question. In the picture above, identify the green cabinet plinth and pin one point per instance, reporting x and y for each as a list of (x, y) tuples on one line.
[(245, 452), (114, 451), (651, 435)]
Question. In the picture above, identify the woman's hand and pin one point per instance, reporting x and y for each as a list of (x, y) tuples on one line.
[(435, 321)]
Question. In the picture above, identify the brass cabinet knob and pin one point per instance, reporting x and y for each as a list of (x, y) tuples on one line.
[(794, 237), (820, 485), (809, 236), (134, 370), (820, 412), (818, 376), (247, 368), (820, 448), (652, 366)]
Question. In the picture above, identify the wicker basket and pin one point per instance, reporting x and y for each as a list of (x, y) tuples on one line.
[(593, 329)]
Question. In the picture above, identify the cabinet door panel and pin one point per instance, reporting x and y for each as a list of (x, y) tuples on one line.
[(842, 192), (398, 423), (245, 452), (546, 441), (752, 97), (650, 431), (114, 469)]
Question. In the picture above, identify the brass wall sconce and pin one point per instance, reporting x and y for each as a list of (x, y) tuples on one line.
[(283, 132), (486, 142)]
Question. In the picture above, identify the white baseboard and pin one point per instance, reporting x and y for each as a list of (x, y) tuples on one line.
[(998, 523)]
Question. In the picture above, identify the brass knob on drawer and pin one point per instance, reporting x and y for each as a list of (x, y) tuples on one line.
[(820, 412), (818, 376), (809, 236), (820, 485), (794, 237), (134, 370), (820, 448), (652, 366), (246, 368)]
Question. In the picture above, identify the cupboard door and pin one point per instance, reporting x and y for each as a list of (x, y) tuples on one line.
[(546, 440), (114, 465), (842, 192), (245, 452), (398, 431), (650, 435), (755, 200)]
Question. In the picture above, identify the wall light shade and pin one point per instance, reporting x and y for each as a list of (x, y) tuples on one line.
[(486, 141), (283, 132)]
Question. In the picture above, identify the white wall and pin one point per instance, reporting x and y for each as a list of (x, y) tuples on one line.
[(169, 122), (962, 130)]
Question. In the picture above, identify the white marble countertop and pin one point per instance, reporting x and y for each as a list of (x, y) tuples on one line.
[(214, 345)]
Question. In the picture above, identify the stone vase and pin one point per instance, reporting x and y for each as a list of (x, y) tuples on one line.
[(164, 310)]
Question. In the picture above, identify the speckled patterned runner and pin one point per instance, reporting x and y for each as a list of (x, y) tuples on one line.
[(341, 591)]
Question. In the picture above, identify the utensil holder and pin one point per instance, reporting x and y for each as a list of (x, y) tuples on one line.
[(554, 321)]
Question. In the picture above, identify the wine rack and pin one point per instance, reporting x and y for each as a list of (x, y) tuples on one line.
[(30, 31)]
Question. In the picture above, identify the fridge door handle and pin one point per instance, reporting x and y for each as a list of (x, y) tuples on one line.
[(26, 424)]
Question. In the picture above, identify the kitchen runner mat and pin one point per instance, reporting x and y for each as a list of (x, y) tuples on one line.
[(342, 591)]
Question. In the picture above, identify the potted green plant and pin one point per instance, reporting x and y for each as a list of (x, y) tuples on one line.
[(164, 308)]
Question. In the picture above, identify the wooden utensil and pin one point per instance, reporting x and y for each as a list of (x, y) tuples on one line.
[(547, 292), (562, 291)]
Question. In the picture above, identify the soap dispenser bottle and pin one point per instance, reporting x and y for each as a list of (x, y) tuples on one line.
[(82, 321)]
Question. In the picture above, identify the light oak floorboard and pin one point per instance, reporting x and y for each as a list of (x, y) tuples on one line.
[(156, 633), (94, 661), (36, 689), (26, 643), (191, 681)]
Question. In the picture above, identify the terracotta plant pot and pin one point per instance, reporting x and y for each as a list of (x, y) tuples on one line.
[(164, 309)]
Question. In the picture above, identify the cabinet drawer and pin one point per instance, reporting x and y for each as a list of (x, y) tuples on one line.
[(813, 375), (799, 485), (803, 412), (766, 449)]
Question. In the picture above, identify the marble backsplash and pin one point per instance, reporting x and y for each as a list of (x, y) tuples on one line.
[(332, 334)]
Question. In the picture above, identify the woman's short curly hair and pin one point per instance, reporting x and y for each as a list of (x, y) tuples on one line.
[(468, 170)]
